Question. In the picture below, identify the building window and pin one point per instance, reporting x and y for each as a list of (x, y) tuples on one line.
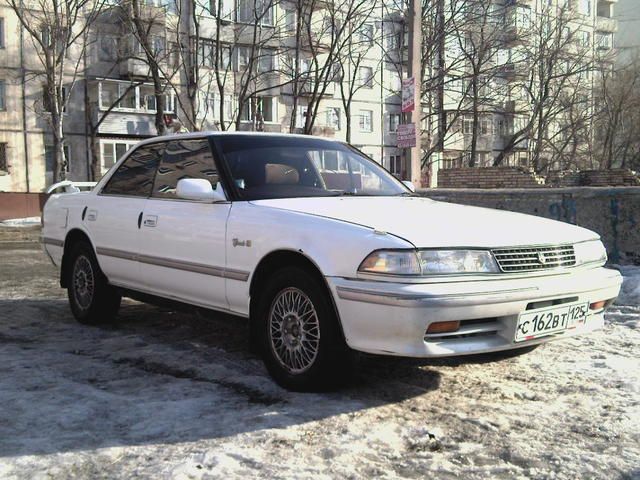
[(267, 60), (206, 53), (242, 58), (108, 48), (467, 125), (366, 76), (394, 121), (111, 152), (333, 118), (366, 120), (3, 95), (259, 110), (395, 165), (255, 12), (4, 163), (366, 34), (2, 44)]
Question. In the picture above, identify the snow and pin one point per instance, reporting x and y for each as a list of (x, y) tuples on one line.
[(630, 294), (20, 222), (164, 394)]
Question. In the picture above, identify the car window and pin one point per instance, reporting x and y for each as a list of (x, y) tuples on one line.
[(184, 159), (288, 167), (135, 176)]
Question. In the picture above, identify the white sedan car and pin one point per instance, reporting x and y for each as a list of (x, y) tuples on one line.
[(323, 251)]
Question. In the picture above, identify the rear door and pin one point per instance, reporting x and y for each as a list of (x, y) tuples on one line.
[(183, 241), (114, 219)]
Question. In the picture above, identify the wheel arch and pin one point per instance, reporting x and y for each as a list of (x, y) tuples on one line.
[(73, 236), (276, 260)]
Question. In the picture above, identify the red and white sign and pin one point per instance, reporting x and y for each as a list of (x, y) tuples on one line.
[(406, 135), (408, 94)]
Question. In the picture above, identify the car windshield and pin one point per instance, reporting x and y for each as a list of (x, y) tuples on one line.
[(266, 166)]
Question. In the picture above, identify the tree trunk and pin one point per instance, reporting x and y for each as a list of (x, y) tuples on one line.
[(476, 123)]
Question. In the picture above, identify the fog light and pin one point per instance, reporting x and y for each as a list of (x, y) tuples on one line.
[(598, 305), (443, 327)]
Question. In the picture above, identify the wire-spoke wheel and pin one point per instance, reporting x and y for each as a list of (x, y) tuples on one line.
[(294, 330), (91, 298), (83, 282), (299, 332)]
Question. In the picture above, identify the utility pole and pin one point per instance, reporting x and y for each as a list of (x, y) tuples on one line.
[(415, 71)]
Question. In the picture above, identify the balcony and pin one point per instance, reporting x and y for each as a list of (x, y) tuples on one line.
[(606, 25), (307, 89), (150, 13), (513, 71), (134, 68)]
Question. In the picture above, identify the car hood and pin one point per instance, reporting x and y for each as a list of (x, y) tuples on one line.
[(428, 223)]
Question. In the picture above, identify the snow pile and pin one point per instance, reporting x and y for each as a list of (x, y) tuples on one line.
[(20, 222), (630, 292)]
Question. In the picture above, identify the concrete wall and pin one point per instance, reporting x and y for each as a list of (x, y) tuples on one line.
[(613, 212)]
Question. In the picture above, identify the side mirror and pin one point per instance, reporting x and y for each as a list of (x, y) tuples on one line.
[(409, 185), (200, 190)]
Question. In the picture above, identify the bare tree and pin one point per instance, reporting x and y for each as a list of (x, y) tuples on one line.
[(147, 26), (618, 117), (353, 71), (323, 34), (558, 64), (58, 31)]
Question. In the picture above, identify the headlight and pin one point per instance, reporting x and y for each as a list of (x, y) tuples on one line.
[(392, 262), (590, 252), (457, 261), (429, 262)]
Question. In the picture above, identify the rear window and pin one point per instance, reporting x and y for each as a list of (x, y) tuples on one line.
[(134, 177)]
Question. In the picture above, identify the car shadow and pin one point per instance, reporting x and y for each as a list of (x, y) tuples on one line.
[(158, 375)]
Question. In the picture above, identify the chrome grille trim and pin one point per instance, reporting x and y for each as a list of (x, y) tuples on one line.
[(527, 259)]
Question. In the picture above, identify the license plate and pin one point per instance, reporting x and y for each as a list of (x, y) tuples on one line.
[(547, 321)]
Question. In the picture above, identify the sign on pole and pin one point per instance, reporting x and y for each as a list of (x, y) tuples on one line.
[(408, 94), (406, 135)]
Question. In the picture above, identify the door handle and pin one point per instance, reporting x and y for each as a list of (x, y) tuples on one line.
[(150, 221), (139, 219)]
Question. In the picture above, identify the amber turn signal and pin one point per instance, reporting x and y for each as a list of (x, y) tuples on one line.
[(598, 305), (443, 327)]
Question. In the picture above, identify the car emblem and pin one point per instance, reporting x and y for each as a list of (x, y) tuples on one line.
[(542, 259)]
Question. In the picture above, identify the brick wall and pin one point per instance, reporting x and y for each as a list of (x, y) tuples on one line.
[(613, 212), (21, 205), (594, 178), (488, 177)]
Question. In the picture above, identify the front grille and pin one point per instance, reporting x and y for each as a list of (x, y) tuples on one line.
[(534, 258)]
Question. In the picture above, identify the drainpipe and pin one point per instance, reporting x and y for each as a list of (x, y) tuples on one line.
[(24, 106)]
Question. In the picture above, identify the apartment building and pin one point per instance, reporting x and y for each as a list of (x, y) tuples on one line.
[(508, 48), (254, 69), (112, 100)]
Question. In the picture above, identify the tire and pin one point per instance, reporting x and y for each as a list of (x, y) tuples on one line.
[(299, 333), (92, 300)]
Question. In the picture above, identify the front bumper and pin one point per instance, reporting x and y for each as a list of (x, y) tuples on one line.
[(392, 318)]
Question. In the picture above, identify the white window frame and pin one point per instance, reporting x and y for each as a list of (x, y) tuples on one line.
[(366, 121), (274, 110)]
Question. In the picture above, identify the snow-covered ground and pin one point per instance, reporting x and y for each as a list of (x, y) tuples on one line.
[(20, 222), (164, 394)]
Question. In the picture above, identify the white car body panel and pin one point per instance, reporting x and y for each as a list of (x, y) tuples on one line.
[(427, 223), (207, 254), (191, 236)]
